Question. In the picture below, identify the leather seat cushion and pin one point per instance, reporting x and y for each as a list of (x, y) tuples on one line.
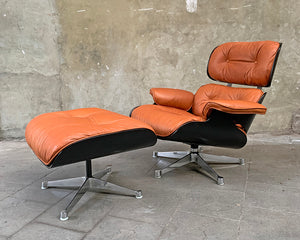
[(227, 99), (164, 120), (49, 133)]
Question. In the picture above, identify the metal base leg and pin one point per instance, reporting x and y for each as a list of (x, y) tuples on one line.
[(69, 183), (209, 170), (210, 158), (177, 154), (99, 185), (81, 191), (195, 156), (96, 183), (179, 163), (104, 174)]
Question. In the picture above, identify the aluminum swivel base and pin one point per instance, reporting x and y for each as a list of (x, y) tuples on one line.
[(95, 183), (195, 156)]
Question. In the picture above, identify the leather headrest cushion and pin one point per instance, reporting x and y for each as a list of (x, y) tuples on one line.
[(248, 63)]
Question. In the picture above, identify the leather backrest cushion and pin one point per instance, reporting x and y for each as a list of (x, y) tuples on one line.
[(176, 98), (210, 92), (248, 63)]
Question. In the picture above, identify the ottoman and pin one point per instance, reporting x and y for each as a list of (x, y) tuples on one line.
[(66, 137)]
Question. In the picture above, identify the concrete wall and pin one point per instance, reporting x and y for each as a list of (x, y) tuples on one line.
[(29, 63), (68, 54)]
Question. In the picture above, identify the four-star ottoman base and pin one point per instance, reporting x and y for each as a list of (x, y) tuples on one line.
[(61, 138)]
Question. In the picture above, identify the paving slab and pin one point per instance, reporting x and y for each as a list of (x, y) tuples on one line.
[(258, 201), (8, 188), (112, 228), (91, 208), (34, 231), (273, 197), (34, 192), (263, 224), (222, 204), (16, 213), (274, 156), (235, 177), (155, 209), (192, 226)]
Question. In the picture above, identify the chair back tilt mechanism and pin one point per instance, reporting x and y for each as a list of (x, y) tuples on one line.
[(217, 115)]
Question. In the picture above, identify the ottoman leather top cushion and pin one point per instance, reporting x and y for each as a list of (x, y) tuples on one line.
[(49, 133)]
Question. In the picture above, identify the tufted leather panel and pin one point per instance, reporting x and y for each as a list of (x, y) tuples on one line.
[(172, 97), (164, 120), (49, 133), (248, 63), (227, 99)]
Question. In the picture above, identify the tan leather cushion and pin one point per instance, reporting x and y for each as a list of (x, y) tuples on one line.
[(164, 120), (49, 133), (234, 106), (248, 63), (172, 97), (227, 99)]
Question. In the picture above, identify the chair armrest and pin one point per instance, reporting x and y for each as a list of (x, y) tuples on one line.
[(176, 98), (234, 106)]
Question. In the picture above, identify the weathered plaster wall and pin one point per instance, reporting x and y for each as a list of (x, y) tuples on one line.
[(114, 51), (29, 63)]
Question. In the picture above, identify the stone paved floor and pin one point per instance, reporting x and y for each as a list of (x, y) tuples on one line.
[(260, 200)]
